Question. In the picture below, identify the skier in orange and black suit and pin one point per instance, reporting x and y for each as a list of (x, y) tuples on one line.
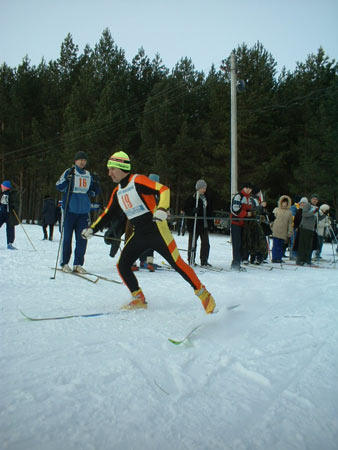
[(137, 196)]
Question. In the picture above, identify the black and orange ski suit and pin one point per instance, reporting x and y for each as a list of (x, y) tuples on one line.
[(139, 197)]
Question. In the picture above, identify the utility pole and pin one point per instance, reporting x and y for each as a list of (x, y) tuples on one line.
[(234, 181)]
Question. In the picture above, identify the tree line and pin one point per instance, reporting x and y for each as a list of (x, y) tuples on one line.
[(172, 122)]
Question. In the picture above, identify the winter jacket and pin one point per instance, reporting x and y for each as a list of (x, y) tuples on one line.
[(323, 222), (309, 218), (9, 203), (203, 210), (282, 225), (240, 206), (82, 187), (48, 211)]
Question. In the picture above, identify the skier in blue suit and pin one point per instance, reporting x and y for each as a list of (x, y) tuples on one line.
[(81, 186)]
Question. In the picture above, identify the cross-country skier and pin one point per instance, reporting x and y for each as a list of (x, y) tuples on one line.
[(136, 196), (77, 186)]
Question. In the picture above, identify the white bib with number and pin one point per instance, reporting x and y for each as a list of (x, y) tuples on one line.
[(81, 182), (130, 201)]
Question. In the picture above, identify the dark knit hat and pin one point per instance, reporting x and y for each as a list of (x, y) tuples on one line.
[(80, 155), (314, 196), (200, 185)]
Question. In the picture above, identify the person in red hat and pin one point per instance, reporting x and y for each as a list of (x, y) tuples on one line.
[(9, 206)]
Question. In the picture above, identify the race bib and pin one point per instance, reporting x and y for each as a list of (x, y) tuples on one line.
[(4, 199), (130, 201), (81, 183)]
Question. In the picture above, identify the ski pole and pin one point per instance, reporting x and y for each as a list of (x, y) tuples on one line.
[(109, 238), (63, 225), (193, 244), (17, 217), (333, 237), (122, 240)]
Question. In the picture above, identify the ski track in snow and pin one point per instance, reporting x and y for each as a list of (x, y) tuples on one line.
[(260, 376)]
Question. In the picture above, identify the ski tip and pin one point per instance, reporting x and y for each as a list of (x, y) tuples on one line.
[(175, 342), (25, 315)]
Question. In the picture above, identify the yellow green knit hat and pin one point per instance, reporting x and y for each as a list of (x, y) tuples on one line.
[(120, 160)]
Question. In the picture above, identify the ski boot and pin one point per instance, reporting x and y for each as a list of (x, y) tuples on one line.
[(79, 269), (206, 298), (138, 301)]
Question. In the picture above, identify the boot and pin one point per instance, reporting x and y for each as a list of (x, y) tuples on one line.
[(66, 268), (206, 298), (79, 269), (138, 301)]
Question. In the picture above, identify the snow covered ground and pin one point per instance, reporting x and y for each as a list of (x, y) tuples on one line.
[(260, 376)]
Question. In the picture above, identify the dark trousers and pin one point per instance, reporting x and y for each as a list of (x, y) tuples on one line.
[(74, 223), (158, 237), (304, 246), (236, 241), (147, 254), (277, 249), (51, 230), (10, 230), (203, 234)]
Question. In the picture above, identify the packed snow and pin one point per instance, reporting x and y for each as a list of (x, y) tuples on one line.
[(260, 376)]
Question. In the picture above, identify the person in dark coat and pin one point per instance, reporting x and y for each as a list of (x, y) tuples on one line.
[(9, 207), (48, 217), (198, 204)]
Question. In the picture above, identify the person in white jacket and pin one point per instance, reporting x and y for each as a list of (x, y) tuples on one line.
[(322, 226)]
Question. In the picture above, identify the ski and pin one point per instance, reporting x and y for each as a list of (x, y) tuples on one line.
[(88, 277), (101, 277), (179, 342), (282, 267), (72, 316), (211, 268), (186, 338), (312, 266), (255, 266), (167, 266)]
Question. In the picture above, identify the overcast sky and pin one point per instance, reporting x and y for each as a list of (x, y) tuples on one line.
[(204, 30)]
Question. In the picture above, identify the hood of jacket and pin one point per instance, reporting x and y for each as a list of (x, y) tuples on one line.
[(283, 198)]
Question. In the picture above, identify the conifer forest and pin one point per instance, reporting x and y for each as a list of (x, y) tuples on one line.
[(173, 122)]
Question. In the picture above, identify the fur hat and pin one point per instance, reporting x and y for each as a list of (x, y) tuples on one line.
[(304, 200), (80, 155), (200, 185)]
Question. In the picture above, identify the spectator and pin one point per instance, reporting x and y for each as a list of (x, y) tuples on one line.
[(306, 231), (9, 206), (322, 227), (198, 205), (48, 217), (281, 227), (241, 208)]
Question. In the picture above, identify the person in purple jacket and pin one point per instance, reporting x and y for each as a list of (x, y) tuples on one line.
[(77, 186)]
